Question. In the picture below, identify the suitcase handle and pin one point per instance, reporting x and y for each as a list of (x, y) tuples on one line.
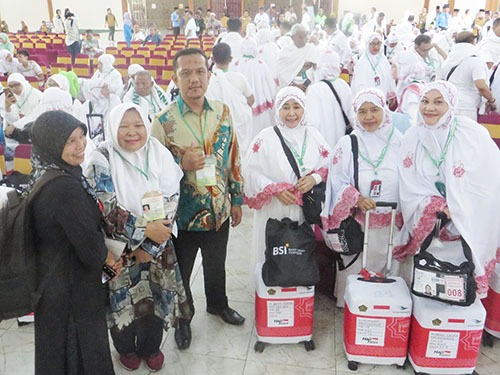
[(390, 244)]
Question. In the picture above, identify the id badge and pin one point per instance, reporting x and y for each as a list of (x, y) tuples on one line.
[(375, 188), (377, 80), (206, 176)]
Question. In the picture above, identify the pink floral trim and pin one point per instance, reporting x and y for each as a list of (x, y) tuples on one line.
[(482, 284), (256, 145), (338, 156), (458, 170), (422, 229), (323, 172), (264, 197), (408, 161), (261, 108), (323, 152), (379, 220), (342, 209)]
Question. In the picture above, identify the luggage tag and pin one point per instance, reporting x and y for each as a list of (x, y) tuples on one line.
[(207, 176), (375, 188), (377, 80)]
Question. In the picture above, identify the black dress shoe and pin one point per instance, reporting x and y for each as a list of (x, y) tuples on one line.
[(228, 315), (183, 335)]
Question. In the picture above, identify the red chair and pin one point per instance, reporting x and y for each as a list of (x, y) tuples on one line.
[(82, 70), (22, 155), (56, 67), (151, 69), (3, 167), (137, 59)]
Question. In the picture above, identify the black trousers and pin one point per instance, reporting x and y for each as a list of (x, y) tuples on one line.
[(143, 336), (213, 245)]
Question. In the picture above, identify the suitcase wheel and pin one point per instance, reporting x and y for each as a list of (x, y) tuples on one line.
[(309, 345), (488, 339), (352, 365), (403, 366), (259, 346)]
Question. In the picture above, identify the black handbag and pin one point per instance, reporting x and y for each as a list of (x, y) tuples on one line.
[(348, 238), (311, 200), (441, 280), (289, 254)]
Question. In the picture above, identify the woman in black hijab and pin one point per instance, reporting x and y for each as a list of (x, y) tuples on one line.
[(70, 319)]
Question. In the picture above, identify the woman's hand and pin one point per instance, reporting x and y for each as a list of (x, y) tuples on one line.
[(366, 204), (116, 265), (305, 184), (287, 198), (447, 212), (140, 255), (158, 231)]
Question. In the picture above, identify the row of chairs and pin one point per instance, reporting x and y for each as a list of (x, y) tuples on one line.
[(21, 164)]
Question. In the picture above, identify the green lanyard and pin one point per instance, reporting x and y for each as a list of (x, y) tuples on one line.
[(151, 101), (145, 172), (374, 67), (300, 158), (19, 106), (429, 63), (201, 141), (381, 157), (437, 163)]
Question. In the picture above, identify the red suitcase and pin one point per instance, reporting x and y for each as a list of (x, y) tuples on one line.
[(283, 315), (492, 306), (377, 313)]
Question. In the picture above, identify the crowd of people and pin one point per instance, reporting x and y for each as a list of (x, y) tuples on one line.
[(207, 145)]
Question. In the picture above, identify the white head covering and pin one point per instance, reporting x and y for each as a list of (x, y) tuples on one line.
[(251, 31), (54, 98), (371, 38), (377, 98), (61, 80), (107, 62), (249, 47), (328, 66), (133, 69), (472, 178), (163, 173), (19, 78), (283, 96), (263, 36)]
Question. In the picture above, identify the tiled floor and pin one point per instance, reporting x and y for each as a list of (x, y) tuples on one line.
[(221, 349)]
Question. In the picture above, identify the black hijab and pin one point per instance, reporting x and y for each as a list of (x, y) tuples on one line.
[(49, 135)]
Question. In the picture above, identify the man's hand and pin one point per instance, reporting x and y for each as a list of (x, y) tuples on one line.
[(193, 159), (9, 130), (287, 198), (236, 215)]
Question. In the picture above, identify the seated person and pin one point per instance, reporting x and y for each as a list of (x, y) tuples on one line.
[(90, 46), (153, 36), (146, 94), (138, 35), (27, 67)]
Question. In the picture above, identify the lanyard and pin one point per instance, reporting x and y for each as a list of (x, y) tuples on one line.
[(143, 172), (300, 158), (201, 141), (151, 101), (437, 163), (374, 67), (381, 157), (19, 106)]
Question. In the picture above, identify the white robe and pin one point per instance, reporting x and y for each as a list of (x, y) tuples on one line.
[(291, 60)]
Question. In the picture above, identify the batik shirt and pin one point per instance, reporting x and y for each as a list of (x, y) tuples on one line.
[(203, 208)]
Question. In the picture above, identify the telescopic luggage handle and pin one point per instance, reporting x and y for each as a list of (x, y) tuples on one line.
[(390, 246)]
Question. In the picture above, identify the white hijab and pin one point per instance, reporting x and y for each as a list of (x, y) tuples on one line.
[(55, 98), (340, 195), (61, 80), (411, 70), (264, 179), (160, 169), (472, 178)]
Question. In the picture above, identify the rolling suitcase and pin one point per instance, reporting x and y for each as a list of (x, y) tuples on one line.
[(283, 315), (492, 306), (377, 312), (444, 338)]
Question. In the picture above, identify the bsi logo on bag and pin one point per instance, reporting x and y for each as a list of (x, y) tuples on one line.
[(286, 250)]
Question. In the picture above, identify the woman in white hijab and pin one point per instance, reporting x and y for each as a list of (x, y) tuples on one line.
[(251, 31), (378, 145), (7, 62), (323, 109), (129, 167), (272, 189), (109, 74), (95, 111), (409, 71), (267, 51), (449, 163), (60, 81), (261, 81), (22, 107), (373, 69)]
